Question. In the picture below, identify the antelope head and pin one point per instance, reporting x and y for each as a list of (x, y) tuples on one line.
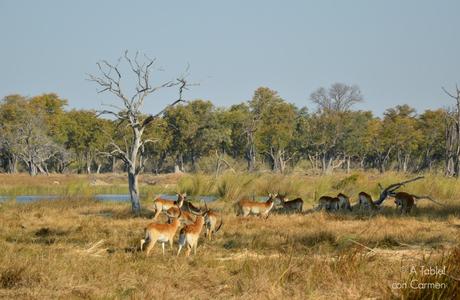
[(282, 198), (180, 199)]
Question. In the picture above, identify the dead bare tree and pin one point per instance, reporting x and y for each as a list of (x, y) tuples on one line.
[(130, 113), (453, 136), (339, 97), (390, 190)]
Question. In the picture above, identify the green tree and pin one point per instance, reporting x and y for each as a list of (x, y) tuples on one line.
[(87, 135), (276, 133), (12, 109), (432, 146), (400, 123)]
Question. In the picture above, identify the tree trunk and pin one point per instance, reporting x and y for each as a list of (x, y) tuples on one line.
[(251, 158), (88, 164), (381, 165), (406, 162), (114, 160), (32, 168), (251, 152), (134, 192), (323, 164), (13, 164), (179, 165)]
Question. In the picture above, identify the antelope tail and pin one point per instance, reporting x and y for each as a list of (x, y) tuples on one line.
[(145, 239)]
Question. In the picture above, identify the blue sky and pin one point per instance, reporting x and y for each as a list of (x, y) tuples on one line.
[(396, 51)]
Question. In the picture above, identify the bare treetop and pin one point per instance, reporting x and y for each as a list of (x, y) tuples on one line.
[(110, 79), (339, 97)]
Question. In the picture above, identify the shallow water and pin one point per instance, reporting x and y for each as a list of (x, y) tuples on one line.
[(100, 197), (4, 198), (30, 198)]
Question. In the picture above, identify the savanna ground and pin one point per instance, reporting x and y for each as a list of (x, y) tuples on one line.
[(85, 249)]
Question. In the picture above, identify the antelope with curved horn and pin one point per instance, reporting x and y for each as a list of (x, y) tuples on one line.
[(163, 233), (246, 207), (161, 204)]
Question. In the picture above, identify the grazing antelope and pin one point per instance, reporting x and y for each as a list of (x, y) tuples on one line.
[(328, 203), (210, 222), (162, 233), (406, 201), (161, 204), (246, 207), (190, 234), (365, 202), (295, 205)]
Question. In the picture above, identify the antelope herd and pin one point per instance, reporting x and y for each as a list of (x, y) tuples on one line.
[(193, 219)]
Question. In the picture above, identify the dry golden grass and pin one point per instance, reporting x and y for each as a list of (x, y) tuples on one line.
[(86, 249)]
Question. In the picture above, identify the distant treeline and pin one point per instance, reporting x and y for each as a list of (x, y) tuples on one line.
[(39, 135)]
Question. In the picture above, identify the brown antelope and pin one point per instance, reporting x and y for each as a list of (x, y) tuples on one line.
[(295, 205), (190, 234), (328, 203), (162, 233), (344, 202), (365, 202), (406, 201), (161, 204), (334, 203), (184, 216), (210, 222), (246, 207), (188, 206)]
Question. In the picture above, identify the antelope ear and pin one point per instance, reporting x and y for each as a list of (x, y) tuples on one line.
[(270, 194), (184, 194)]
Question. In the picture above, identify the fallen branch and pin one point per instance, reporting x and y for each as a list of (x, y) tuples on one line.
[(388, 191)]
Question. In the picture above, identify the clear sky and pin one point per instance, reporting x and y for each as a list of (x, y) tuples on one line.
[(396, 51)]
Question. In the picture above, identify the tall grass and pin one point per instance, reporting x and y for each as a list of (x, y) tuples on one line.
[(233, 186), (86, 249)]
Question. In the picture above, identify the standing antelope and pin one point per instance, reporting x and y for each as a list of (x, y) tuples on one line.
[(246, 207), (163, 233), (406, 201), (295, 205), (190, 234), (365, 202), (161, 204), (344, 202), (328, 203), (210, 222)]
